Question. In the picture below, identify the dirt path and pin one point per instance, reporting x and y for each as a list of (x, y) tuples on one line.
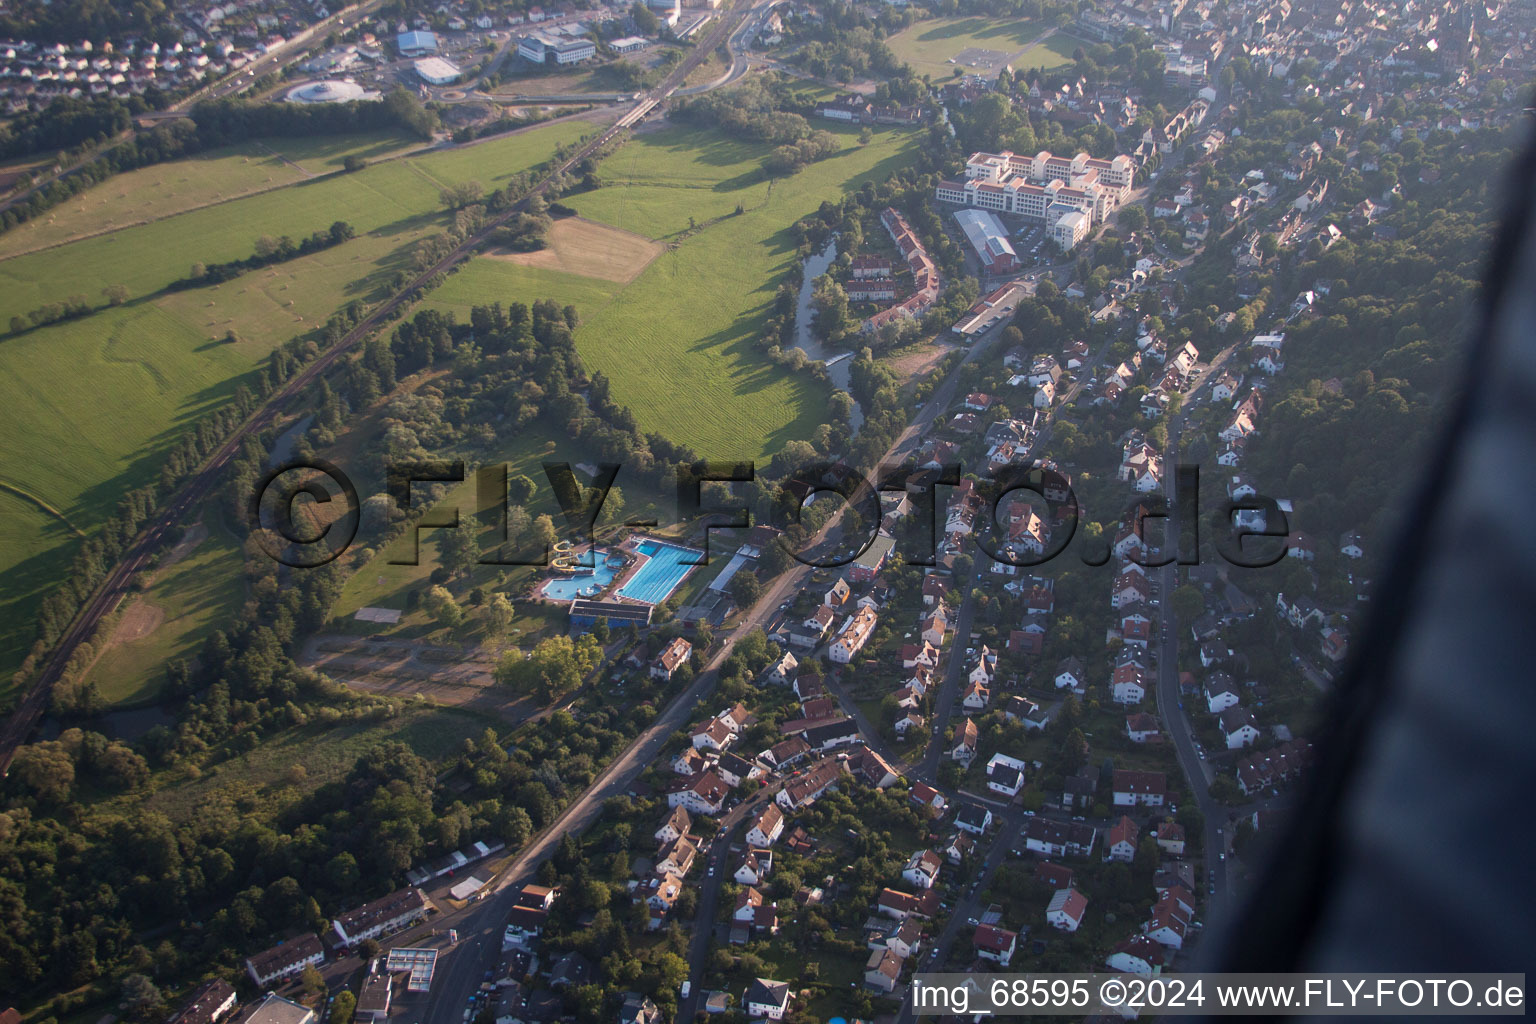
[(47, 509), (461, 677)]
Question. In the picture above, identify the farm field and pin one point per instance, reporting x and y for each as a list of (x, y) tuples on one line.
[(929, 46), (679, 344), (171, 618), (164, 190), (163, 359)]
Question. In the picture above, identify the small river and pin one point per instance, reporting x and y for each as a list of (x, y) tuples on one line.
[(839, 364)]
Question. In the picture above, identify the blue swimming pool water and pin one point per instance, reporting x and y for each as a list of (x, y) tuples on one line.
[(663, 570), (568, 588)]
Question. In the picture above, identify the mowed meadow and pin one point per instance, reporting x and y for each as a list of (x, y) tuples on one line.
[(681, 341), (93, 404)]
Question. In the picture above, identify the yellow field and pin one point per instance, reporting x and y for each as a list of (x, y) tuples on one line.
[(584, 247)]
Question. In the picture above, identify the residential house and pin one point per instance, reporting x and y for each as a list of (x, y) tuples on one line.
[(1005, 775), (1237, 725), (883, 969), (855, 634), (1136, 955), (766, 828), (807, 789), (966, 738), (1139, 788), (676, 825), (676, 858), (901, 905), (671, 658), (703, 793), (755, 866), (285, 960), (995, 944), (1120, 841), (767, 998), (1066, 909), (1143, 728), (927, 797), (922, 869), (1069, 674), (713, 735), (973, 818), (381, 917), (1059, 838)]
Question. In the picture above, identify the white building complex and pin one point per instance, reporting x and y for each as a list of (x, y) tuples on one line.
[(539, 47), (1068, 194)]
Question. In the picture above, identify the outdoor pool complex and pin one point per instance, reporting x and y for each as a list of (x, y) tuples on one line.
[(568, 588), (664, 568)]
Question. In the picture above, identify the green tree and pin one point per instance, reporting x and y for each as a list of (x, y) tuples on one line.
[(343, 1008), (440, 604)]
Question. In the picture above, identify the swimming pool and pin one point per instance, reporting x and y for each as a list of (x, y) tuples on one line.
[(664, 568), (568, 588)]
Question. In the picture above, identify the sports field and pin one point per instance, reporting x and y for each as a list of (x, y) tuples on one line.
[(936, 47), (162, 360)]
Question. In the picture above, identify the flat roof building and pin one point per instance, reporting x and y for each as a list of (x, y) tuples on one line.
[(437, 71), (990, 240), (416, 44), (274, 1009), (546, 48)]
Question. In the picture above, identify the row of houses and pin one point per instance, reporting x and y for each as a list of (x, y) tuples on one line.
[(372, 920), (925, 273)]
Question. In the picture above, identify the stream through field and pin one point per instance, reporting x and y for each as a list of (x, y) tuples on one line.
[(839, 364)]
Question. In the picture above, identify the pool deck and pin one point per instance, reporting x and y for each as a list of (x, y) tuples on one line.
[(629, 549)]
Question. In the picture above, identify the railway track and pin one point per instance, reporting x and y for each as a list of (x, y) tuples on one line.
[(111, 592)]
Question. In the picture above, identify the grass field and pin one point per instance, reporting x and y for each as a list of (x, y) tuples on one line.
[(172, 617), (680, 344), (589, 249), (164, 190), (157, 360), (1055, 52), (930, 46)]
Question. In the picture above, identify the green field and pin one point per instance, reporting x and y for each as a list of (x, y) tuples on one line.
[(95, 403), (1055, 52), (164, 190), (187, 599), (930, 46), (680, 344)]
